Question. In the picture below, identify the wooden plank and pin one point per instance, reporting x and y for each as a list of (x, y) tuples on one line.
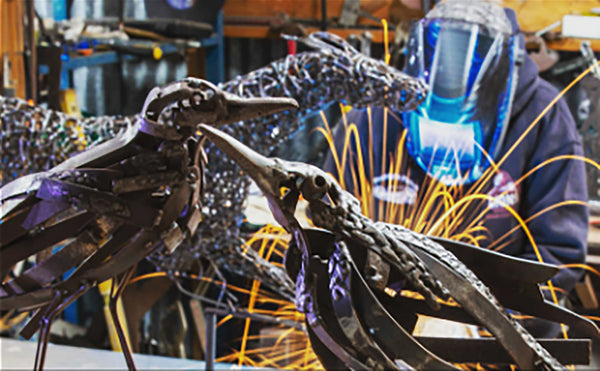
[(535, 15), (195, 59), (587, 294), (572, 45), (304, 9), (244, 31), (1, 31), (11, 36), (392, 10), (532, 15)]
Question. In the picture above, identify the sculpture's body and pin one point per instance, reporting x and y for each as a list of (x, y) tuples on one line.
[(111, 206), (341, 275)]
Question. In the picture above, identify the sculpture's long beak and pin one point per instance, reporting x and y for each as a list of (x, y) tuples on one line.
[(199, 101), (240, 109), (263, 170), (255, 165)]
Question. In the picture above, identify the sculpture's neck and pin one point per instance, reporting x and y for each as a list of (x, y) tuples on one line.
[(162, 131), (344, 217)]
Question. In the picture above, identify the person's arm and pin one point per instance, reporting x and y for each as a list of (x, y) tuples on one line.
[(560, 233)]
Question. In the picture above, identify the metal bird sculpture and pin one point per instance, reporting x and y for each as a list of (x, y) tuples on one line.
[(103, 210), (34, 140), (343, 273)]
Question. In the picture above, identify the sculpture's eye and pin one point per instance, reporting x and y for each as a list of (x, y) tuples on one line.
[(207, 93), (314, 187)]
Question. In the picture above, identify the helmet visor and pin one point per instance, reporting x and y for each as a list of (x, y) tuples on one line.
[(470, 71)]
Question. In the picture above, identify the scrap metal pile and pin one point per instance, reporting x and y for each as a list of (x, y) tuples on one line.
[(151, 184)]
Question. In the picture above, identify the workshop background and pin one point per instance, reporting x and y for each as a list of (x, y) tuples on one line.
[(102, 57)]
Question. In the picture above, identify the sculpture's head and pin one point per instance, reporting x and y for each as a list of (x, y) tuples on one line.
[(362, 81), (194, 101), (282, 182)]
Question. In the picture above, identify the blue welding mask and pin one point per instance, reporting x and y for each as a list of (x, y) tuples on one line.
[(471, 70)]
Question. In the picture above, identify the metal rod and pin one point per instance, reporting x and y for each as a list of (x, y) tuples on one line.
[(548, 28), (211, 329), (425, 6), (256, 317), (32, 56), (211, 340)]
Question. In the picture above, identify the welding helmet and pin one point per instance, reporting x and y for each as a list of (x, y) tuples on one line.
[(467, 54)]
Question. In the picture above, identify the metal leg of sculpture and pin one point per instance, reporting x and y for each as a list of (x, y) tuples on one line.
[(116, 292), (44, 335), (211, 338), (52, 310)]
